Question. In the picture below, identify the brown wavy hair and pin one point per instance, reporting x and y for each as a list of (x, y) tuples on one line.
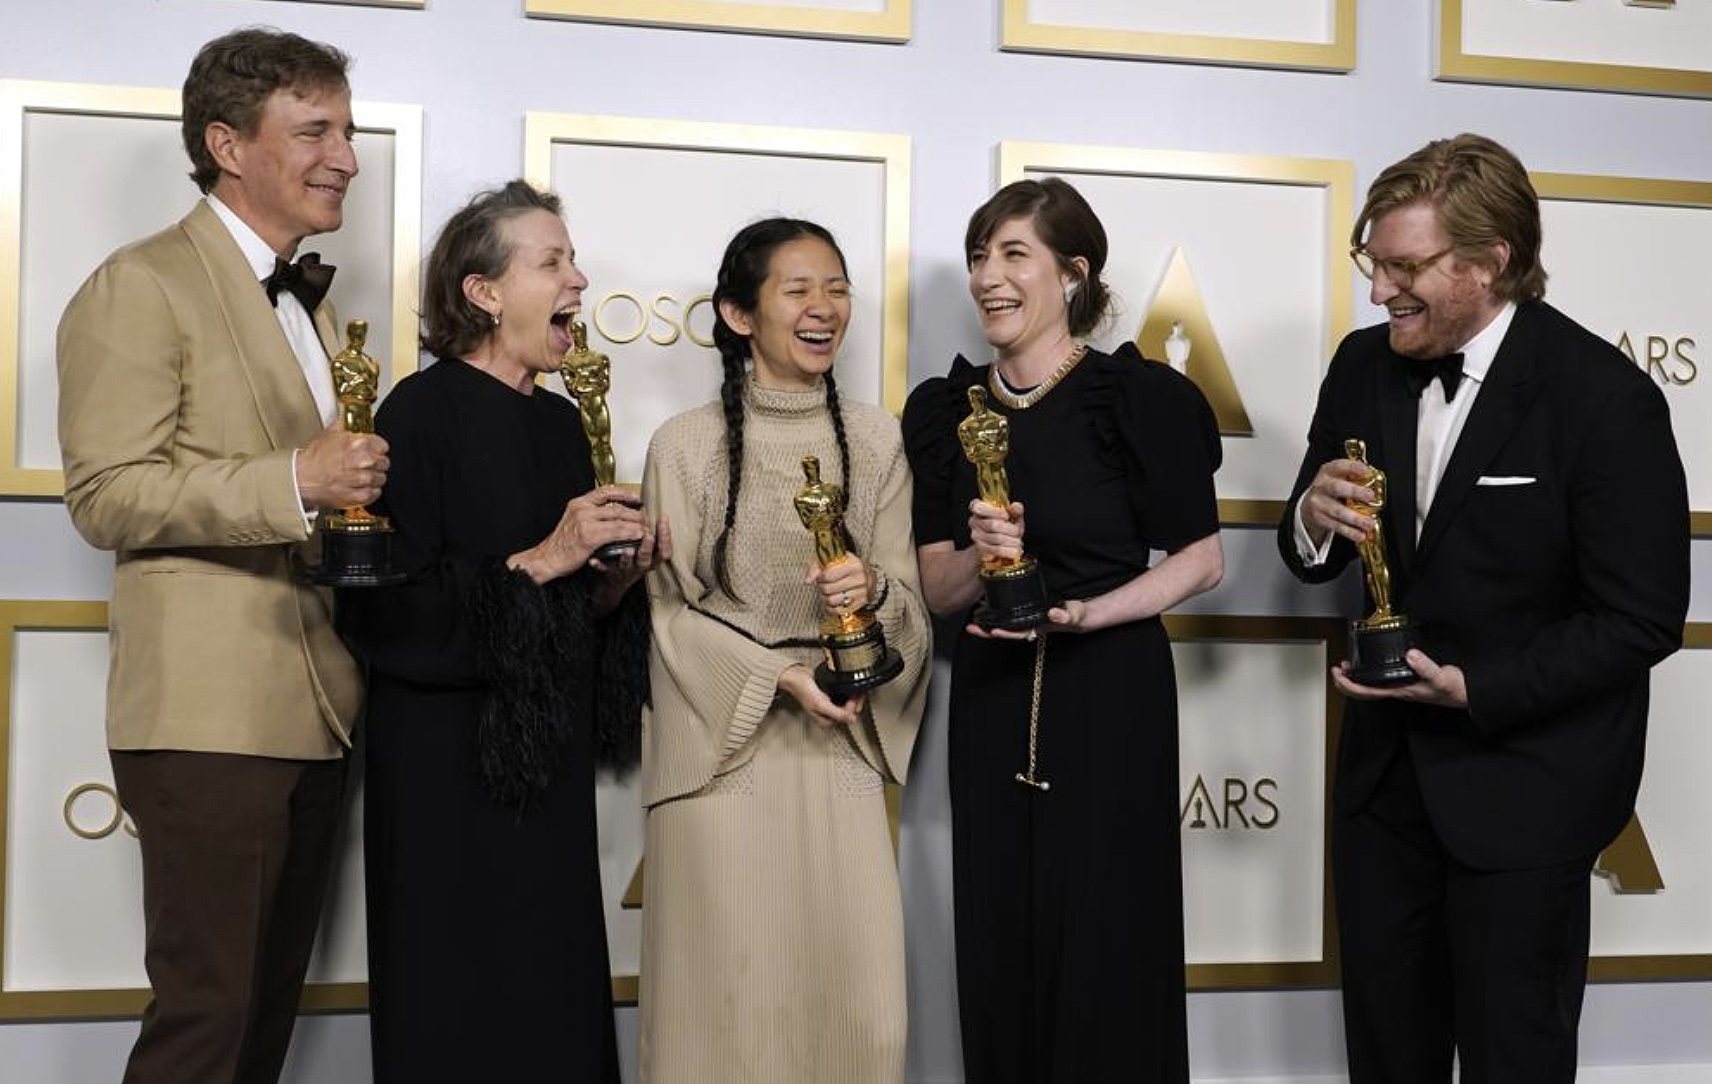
[(234, 75)]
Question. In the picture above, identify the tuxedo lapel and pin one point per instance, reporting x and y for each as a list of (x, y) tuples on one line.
[(1509, 389), (327, 328), (283, 399), (1396, 457)]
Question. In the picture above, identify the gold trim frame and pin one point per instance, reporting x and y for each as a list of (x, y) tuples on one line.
[(1696, 636), (1335, 176), (1590, 188), (1262, 630), (795, 20), (19, 98), (1020, 34), (17, 616), (542, 131), (1457, 65)]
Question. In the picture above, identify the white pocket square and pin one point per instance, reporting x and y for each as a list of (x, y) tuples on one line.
[(1505, 480)]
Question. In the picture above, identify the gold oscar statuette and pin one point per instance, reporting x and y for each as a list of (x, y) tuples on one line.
[(356, 544), (1016, 596), (588, 377), (1379, 641), (854, 642)]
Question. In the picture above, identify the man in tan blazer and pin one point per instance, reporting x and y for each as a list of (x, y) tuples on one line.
[(195, 422)]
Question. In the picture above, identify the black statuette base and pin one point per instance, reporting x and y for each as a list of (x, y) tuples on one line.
[(1376, 652), (1015, 599), (615, 552), (357, 557)]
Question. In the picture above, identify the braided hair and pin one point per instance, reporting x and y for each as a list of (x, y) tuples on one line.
[(748, 260)]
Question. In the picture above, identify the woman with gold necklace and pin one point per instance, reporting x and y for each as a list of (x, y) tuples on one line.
[(1067, 875)]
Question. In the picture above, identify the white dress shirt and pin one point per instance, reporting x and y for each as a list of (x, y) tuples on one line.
[(294, 319)]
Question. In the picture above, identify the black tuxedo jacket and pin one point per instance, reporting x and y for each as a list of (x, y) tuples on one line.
[(1553, 569)]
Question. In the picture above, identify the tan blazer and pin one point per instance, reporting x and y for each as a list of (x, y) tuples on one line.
[(180, 402)]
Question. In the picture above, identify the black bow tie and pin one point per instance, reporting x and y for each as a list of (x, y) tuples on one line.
[(1447, 369), (306, 279)]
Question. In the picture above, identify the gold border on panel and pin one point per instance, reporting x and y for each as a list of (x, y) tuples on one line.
[(1263, 630), (19, 97), (889, 25), (541, 131), (1696, 636), (1335, 175), (1455, 65), (1592, 188), (1020, 34)]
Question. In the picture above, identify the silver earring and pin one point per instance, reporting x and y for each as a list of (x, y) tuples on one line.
[(495, 317), (1070, 291)]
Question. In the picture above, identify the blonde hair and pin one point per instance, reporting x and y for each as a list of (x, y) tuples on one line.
[(1482, 195)]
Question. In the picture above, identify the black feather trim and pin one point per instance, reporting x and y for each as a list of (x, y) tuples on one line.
[(524, 719), (548, 664), (623, 688)]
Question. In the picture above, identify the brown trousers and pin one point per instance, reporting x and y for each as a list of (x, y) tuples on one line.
[(236, 855)]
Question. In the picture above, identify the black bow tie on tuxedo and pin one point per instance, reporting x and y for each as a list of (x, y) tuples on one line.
[(307, 279), (1448, 371)]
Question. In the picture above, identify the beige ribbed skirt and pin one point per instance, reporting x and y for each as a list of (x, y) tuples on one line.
[(772, 926)]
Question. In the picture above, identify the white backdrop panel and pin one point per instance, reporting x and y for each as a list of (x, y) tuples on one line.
[(1677, 919), (1591, 31), (74, 905), (1269, 20), (1253, 758), (1257, 254), (1638, 271), (635, 233), (816, 5), (93, 181)]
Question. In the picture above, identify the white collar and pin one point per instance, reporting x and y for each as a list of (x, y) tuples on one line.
[(257, 252), (1478, 352)]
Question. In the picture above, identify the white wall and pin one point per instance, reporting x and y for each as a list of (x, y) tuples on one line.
[(475, 66)]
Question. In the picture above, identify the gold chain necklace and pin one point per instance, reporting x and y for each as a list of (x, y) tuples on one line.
[(1027, 399)]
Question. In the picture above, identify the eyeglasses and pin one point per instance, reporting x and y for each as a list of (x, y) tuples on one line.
[(1401, 272)]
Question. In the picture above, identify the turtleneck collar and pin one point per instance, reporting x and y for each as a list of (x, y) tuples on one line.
[(783, 402)]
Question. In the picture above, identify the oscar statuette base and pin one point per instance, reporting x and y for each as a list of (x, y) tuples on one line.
[(356, 553), (1015, 598), (857, 659), (1376, 651), (615, 552)]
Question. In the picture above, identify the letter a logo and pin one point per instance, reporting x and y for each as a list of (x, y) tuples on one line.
[(1179, 330), (1628, 863)]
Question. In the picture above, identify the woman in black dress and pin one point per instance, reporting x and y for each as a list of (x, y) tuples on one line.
[(1068, 894), (500, 676)]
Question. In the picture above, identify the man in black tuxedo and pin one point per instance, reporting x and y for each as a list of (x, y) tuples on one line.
[(1537, 529)]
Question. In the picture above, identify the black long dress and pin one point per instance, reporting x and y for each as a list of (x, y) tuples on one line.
[(487, 944), (1069, 901)]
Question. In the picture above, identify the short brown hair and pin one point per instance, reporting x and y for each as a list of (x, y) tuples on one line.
[(233, 76), (472, 242), (1069, 227), (1482, 195)]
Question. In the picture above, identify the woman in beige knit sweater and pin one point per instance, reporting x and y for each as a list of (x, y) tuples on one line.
[(772, 944)]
